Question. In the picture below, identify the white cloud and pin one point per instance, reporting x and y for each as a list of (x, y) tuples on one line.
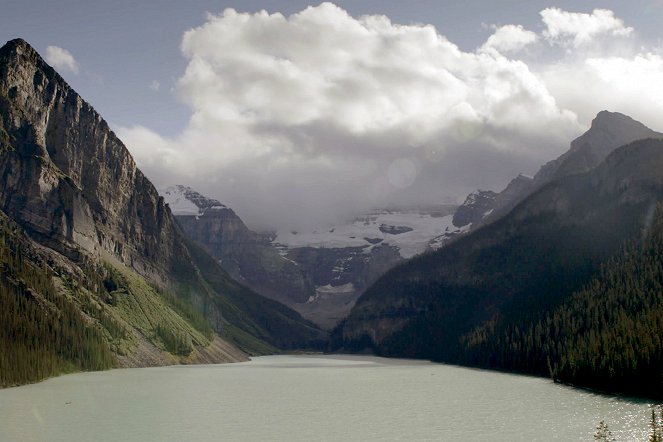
[(312, 116), (581, 28), (155, 86), (510, 38), (631, 85), (61, 59)]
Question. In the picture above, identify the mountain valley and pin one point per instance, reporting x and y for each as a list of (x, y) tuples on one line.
[(557, 275), (320, 273)]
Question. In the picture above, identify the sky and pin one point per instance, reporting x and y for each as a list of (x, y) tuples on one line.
[(297, 114)]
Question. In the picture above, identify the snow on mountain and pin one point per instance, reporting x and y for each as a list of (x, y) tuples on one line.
[(184, 200), (319, 273), (476, 206), (247, 256), (412, 231)]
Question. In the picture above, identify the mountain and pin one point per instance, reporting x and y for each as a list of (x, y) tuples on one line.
[(344, 259), (453, 305), (319, 273), (476, 206), (247, 256), (87, 237), (608, 131), (605, 336)]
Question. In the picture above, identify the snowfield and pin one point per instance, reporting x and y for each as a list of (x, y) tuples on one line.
[(184, 200), (178, 202), (412, 231), (420, 232)]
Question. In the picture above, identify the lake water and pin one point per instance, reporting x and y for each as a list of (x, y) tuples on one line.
[(310, 398)]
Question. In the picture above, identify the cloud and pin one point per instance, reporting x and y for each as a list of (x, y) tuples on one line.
[(155, 86), (581, 28), (631, 85), (301, 119), (61, 59), (510, 38)]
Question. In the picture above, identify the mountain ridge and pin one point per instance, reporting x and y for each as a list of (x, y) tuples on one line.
[(91, 215), (511, 270), (320, 273), (608, 131), (248, 256)]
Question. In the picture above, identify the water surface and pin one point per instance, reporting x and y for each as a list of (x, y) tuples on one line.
[(306, 398)]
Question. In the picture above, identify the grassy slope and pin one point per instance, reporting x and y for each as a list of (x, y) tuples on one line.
[(42, 330), (57, 318)]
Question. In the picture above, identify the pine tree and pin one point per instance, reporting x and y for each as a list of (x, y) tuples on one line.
[(603, 433)]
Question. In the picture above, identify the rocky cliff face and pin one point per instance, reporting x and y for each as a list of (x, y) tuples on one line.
[(512, 193), (340, 275), (248, 256), (320, 273), (68, 180), (476, 206), (343, 260), (71, 185)]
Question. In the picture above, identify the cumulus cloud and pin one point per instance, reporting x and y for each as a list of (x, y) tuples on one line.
[(61, 59), (510, 38), (312, 117), (631, 85), (581, 28)]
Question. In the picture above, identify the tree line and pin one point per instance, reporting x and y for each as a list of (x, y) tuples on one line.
[(608, 336), (42, 333)]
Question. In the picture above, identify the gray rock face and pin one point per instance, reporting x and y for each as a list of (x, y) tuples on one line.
[(68, 179), (477, 205), (248, 256), (291, 276), (320, 281), (517, 187), (343, 260), (340, 275), (395, 230), (348, 265)]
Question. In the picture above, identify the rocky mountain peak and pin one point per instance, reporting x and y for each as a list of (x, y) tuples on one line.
[(610, 130), (477, 205), (19, 46), (247, 255), (183, 200), (79, 186), (614, 120)]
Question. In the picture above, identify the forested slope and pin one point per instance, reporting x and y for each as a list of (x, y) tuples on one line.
[(503, 296)]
